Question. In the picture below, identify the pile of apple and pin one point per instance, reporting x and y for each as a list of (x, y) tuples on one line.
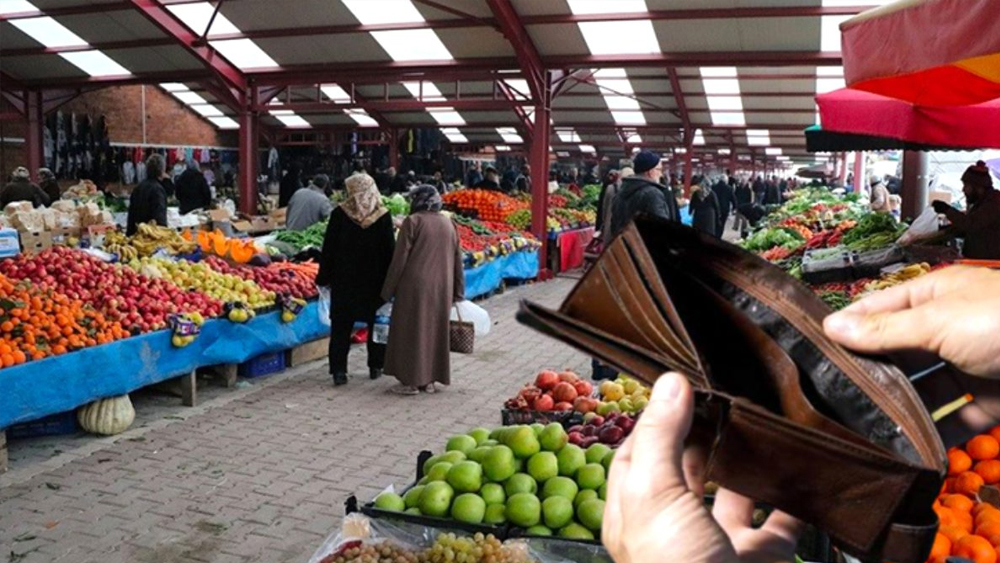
[(139, 303), (596, 429), (268, 279), (553, 391), (624, 394)]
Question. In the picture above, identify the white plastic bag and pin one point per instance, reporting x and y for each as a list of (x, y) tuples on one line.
[(380, 334), (472, 313), (924, 226), (323, 307)]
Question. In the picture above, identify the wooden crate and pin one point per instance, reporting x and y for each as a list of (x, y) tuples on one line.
[(308, 352)]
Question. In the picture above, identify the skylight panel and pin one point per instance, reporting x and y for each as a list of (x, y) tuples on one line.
[(16, 6), (520, 88), (509, 135), (502, 148), (721, 86), (189, 97), (606, 7), (725, 152), (680, 150), (628, 117), (620, 37), (224, 122), (568, 136), (197, 15), (829, 29), (382, 12), (361, 117), (454, 135), (718, 72), (729, 119), (293, 120), (772, 151), (95, 63), (446, 116), (632, 137), (335, 93), (430, 91), (243, 53), (206, 110), (699, 137), (48, 32), (412, 45), (621, 102), (725, 103), (588, 149), (758, 133), (173, 86), (759, 141), (562, 154)]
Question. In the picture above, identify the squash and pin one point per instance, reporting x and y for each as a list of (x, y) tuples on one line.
[(205, 241), (107, 417), (220, 244), (241, 252)]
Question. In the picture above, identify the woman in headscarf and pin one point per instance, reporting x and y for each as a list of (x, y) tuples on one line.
[(426, 279), (357, 250), (705, 208)]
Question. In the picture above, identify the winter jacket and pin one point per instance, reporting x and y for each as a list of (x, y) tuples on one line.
[(193, 191), (705, 211), (23, 190), (148, 202), (639, 195)]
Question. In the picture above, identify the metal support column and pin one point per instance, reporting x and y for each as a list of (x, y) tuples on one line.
[(859, 169), (914, 190), (34, 133), (688, 171), (249, 156), (539, 158)]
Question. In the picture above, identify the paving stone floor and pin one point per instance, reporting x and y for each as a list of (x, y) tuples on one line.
[(258, 474)]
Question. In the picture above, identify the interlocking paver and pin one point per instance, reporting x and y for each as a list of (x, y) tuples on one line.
[(259, 474)]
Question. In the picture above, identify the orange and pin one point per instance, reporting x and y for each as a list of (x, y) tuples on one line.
[(983, 447), (995, 432), (988, 528), (975, 548), (958, 502), (989, 470), (963, 520), (958, 462), (988, 514), (994, 541), (968, 484), (942, 546), (953, 533)]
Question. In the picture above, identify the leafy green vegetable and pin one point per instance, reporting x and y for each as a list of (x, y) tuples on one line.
[(871, 224), (310, 237), (396, 204), (767, 239)]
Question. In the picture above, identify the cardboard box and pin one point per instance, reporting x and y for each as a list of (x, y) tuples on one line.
[(61, 236), (35, 241), (9, 243), (96, 233), (219, 215), (242, 226), (263, 223)]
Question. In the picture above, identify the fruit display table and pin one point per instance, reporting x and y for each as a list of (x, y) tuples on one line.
[(61, 383), (570, 245), (487, 278)]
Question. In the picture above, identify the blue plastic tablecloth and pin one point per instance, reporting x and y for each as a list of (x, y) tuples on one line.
[(486, 278), (61, 383)]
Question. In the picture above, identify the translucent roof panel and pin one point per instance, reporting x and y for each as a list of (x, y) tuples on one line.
[(95, 63), (48, 32), (377, 12), (361, 117), (244, 53), (197, 15), (335, 93), (412, 45), (16, 6), (446, 116), (620, 37)]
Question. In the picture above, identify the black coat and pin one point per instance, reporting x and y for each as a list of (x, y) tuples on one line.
[(705, 212), (743, 196), (355, 263), (290, 184), (485, 184), (52, 190), (726, 196), (637, 196), (759, 191), (193, 191), (772, 196), (148, 202), (23, 190)]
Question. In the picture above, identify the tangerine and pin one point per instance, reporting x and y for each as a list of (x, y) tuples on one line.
[(941, 547), (995, 432), (958, 462), (975, 548), (953, 533), (989, 470), (968, 484), (988, 528), (958, 502), (983, 447)]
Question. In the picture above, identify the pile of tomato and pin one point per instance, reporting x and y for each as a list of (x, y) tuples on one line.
[(486, 205)]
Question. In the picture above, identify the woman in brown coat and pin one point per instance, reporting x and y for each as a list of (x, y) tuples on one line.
[(426, 278)]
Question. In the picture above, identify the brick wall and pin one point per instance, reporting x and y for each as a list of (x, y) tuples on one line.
[(168, 122)]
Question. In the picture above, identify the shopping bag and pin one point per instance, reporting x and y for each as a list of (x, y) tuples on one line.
[(323, 306), (924, 226), (461, 334), (381, 328), (473, 313)]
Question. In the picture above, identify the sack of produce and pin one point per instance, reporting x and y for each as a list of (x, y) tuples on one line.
[(768, 384)]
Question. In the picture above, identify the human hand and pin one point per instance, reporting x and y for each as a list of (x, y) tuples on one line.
[(954, 313), (655, 512), (940, 206)]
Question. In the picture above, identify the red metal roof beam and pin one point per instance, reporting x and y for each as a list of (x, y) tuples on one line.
[(528, 59)]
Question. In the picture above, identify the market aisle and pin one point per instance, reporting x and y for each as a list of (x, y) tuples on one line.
[(264, 477)]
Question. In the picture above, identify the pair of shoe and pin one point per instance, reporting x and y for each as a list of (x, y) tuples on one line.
[(340, 378)]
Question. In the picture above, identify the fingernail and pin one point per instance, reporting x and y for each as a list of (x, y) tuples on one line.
[(667, 388), (844, 324)]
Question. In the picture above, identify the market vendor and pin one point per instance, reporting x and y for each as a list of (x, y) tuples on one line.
[(21, 188), (980, 225), (490, 180), (309, 206), (148, 201)]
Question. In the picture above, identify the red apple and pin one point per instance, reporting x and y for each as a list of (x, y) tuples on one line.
[(544, 403), (583, 388), (564, 393), (546, 380), (611, 435), (562, 407), (569, 377), (584, 404), (575, 438)]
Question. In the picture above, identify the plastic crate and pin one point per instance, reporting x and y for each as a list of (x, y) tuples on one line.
[(52, 425), (262, 365), (511, 417)]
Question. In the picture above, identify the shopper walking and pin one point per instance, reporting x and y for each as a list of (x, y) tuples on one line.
[(291, 182), (705, 208), (309, 206), (880, 197), (192, 189), (609, 190), (643, 193), (148, 202), (523, 181), (744, 203), (426, 279), (980, 225), (725, 192), (357, 250), (49, 185), (21, 188)]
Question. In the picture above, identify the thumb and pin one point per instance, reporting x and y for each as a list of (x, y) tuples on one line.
[(658, 447), (875, 333)]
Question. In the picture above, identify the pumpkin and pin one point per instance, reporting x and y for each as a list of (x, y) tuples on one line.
[(107, 417), (205, 241), (242, 252), (220, 244)]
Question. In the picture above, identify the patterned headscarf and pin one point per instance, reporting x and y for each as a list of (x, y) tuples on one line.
[(425, 198), (364, 203)]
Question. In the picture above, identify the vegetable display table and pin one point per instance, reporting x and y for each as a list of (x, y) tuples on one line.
[(487, 278)]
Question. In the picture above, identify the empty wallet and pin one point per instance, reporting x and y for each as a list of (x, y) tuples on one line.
[(786, 416)]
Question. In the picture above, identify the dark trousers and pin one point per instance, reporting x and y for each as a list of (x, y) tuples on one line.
[(341, 326)]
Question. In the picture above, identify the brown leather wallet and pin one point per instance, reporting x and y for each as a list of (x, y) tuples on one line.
[(787, 417)]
